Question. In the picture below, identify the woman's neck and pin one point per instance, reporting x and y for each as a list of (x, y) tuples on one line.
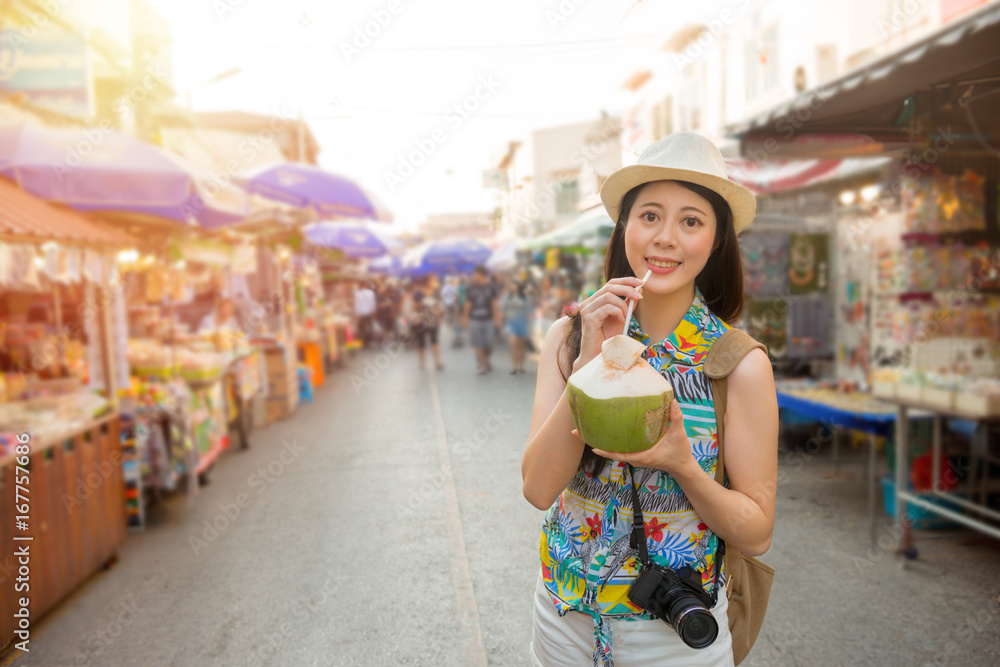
[(659, 314)]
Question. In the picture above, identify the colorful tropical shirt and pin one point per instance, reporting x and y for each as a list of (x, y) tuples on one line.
[(588, 563)]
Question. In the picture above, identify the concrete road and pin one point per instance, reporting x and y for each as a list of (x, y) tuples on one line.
[(384, 525)]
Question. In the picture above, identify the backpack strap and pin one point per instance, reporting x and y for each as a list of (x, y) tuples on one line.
[(722, 358)]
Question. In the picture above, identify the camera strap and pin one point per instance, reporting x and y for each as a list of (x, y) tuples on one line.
[(638, 537)]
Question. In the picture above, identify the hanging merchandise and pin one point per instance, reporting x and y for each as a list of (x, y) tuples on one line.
[(62, 265), (765, 263), (24, 269), (808, 263), (939, 203), (6, 266), (93, 267)]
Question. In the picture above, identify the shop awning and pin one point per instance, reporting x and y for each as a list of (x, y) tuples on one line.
[(24, 217), (780, 176), (958, 65)]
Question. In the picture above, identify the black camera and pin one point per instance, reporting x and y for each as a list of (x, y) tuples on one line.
[(678, 599)]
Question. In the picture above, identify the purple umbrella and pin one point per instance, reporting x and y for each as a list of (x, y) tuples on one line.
[(357, 241), (98, 169), (305, 186)]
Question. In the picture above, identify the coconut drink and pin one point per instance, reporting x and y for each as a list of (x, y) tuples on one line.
[(618, 401)]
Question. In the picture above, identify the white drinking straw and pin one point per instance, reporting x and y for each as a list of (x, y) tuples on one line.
[(631, 303)]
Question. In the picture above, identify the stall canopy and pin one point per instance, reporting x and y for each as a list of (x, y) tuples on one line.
[(780, 176), (27, 218), (588, 232), (947, 79), (98, 169)]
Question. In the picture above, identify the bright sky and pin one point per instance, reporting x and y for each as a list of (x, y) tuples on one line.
[(371, 107)]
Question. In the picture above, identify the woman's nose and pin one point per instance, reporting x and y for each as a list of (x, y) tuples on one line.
[(666, 236)]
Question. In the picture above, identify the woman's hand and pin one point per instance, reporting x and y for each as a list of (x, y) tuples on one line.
[(603, 316), (671, 454)]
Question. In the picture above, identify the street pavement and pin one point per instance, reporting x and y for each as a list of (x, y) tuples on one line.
[(384, 525)]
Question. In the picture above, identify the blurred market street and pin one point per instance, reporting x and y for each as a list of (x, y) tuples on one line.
[(253, 255), (323, 568)]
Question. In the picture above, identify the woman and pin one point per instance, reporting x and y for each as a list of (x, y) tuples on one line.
[(677, 216), (425, 323), (515, 312)]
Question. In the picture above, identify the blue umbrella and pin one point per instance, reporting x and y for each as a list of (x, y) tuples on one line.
[(356, 241), (446, 256), (386, 265)]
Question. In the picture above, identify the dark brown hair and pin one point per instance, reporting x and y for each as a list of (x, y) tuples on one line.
[(720, 281)]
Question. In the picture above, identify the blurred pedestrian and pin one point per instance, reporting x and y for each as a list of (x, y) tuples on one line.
[(427, 312), (481, 315), (515, 308), (386, 311), (364, 311), (460, 288)]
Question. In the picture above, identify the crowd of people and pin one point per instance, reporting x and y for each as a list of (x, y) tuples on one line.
[(482, 311)]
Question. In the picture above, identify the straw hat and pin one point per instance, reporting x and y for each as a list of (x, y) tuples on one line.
[(682, 156)]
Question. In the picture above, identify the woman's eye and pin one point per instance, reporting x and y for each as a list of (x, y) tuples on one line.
[(649, 216), (691, 222)]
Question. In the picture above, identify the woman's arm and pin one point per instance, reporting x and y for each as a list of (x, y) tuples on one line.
[(552, 455), (743, 514)]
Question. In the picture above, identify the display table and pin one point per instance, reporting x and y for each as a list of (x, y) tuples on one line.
[(77, 513), (208, 422), (903, 408), (855, 411)]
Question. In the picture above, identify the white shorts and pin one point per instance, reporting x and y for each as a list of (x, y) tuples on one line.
[(568, 641)]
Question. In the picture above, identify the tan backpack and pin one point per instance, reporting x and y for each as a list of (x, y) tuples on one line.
[(748, 580)]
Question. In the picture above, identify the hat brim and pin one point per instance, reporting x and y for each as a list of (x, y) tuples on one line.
[(741, 200)]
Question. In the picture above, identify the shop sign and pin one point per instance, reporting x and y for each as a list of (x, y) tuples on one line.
[(49, 70), (202, 251)]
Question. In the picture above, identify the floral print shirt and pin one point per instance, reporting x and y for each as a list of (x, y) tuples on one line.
[(588, 563)]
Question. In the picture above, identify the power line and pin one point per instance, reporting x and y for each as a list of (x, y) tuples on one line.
[(574, 45)]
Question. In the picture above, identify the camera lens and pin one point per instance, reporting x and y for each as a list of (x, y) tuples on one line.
[(697, 628), (693, 623)]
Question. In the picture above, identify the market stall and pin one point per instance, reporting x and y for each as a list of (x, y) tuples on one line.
[(917, 289), (59, 301)]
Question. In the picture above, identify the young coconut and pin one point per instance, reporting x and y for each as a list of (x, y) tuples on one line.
[(618, 401)]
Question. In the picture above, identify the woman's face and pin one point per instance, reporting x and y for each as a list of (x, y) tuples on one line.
[(670, 231)]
